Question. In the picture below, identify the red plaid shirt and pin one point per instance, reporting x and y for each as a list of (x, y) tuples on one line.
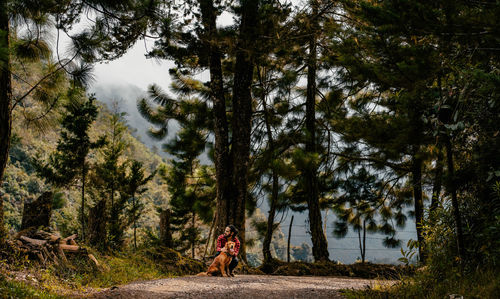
[(221, 242)]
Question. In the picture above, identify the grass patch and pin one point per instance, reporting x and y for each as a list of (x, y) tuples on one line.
[(478, 285), (16, 289), (81, 276), (126, 267), (116, 270)]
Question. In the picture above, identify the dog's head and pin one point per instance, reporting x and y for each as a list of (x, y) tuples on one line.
[(229, 245)]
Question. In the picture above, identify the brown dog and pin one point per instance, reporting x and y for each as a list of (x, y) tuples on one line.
[(220, 263)]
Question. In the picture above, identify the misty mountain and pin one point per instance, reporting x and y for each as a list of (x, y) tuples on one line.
[(126, 97)]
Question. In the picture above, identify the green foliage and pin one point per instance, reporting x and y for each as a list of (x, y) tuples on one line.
[(118, 269), (69, 159), (15, 289), (22, 184), (409, 254), (109, 176), (483, 283), (190, 184), (395, 81), (133, 188), (31, 49)]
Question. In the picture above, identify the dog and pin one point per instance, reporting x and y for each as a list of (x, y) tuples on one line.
[(220, 263)]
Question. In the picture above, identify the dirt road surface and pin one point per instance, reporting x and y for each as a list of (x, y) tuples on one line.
[(241, 287)]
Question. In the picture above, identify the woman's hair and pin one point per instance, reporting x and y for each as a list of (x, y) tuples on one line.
[(233, 229)]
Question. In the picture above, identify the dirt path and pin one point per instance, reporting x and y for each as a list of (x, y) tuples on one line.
[(241, 286)]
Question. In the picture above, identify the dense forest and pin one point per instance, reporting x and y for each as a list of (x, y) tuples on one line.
[(382, 112)]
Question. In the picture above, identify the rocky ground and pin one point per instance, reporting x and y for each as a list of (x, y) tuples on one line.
[(241, 286)]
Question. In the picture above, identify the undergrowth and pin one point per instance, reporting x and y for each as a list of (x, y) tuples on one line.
[(113, 270), (15, 289), (482, 284), (82, 276)]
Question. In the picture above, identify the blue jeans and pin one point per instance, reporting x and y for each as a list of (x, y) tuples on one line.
[(233, 263)]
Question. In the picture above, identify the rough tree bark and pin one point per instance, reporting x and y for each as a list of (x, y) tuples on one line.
[(97, 224), (223, 165), (242, 113), (288, 243), (82, 208), (266, 246), (165, 232), (5, 104), (416, 170), (438, 175), (454, 200), (38, 212), (320, 247)]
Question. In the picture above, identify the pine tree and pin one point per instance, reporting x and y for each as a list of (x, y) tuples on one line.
[(69, 162), (116, 28), (230, 56), (132, 190), (402, 72), (410, 54), (109, 177), (271, 138), (5, 103), (189, 199), (364, 206)]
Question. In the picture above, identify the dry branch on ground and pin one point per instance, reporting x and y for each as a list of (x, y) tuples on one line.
[(50, 248)]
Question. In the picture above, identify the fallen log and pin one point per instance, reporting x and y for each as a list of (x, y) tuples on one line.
[(52, 238), (69, 240), (51, 248), (61, 254), (33, 241), (92, 257), (70, 248), (40, 257)]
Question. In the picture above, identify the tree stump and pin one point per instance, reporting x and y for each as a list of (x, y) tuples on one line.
[(165, 232), (38, 212), (97, 224)]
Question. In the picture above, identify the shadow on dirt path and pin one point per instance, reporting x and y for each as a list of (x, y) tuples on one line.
[(241, 286)]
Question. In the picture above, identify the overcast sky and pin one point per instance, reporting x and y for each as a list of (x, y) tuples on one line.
[(134, 69)]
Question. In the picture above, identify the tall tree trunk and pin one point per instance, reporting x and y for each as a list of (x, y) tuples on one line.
[(363, 255), (209, 238), (84, 172), (266, 246), (320, 247), (419, 204), (165, 232), (112, 196), (223, 165), (438, 176), (288, 243), (242, 113), (135, 221), (97, 225), (454, 200), (360, 245), (5, 105), (193, 239)]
